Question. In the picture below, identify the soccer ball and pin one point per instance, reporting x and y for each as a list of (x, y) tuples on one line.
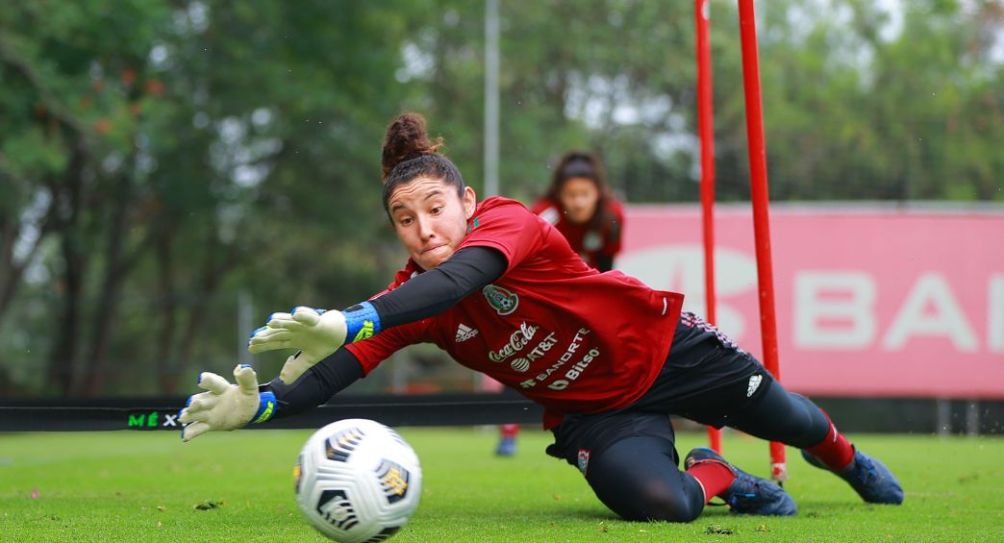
[(357, 481)]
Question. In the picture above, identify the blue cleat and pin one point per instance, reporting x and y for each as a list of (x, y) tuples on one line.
[(507, 447), (748, 495), (867, 476)]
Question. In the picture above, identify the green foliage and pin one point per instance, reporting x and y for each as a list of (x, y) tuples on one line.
[(159, 159), (858, 107)]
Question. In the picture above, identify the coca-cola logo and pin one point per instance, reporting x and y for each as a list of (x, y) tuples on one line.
[(517, 342)]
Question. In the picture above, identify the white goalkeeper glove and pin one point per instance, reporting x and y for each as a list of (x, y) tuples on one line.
[(226, 406), (315, 332), (296, 365)]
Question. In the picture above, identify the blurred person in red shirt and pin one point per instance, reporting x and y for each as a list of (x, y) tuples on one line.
[(580, 205)]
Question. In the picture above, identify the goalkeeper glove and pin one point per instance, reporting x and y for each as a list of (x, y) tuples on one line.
[(296, 365), (226, 406), (315, 332)]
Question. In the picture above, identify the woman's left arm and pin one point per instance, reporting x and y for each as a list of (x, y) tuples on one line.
[(436, 290)]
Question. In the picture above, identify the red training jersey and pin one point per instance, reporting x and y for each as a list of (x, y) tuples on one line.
[(564, 335), (590, 243)]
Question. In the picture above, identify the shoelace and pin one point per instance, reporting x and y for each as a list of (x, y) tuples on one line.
[(868, 468)]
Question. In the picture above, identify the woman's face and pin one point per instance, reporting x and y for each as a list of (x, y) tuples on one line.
[(579, 196), (430, 218)]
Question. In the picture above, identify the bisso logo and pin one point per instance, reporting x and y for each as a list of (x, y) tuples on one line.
[(502, 301)]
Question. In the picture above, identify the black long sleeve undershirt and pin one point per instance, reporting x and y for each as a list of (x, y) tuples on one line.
[(425, 295), (436, 290), (319, 383)]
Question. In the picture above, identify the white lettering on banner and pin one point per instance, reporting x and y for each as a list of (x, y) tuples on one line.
[(933, 325), (947, 320), (822, 297), (995, 314)]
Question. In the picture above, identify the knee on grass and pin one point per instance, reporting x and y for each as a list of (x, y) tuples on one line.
[(656, 502)]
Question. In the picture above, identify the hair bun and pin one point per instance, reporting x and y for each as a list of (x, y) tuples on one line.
[(406, 138)]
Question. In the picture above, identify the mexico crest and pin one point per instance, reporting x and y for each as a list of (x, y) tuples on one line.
[(501, 300)]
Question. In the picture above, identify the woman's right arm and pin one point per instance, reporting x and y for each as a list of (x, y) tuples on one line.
[(317, 385)]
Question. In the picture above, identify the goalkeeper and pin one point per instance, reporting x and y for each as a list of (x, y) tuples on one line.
[(608, 358)]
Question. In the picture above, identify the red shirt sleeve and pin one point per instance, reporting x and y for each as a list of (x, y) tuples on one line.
[(509, 227), (372, 351)]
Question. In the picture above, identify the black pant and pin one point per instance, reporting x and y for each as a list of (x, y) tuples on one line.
[(629, 457), (637, 476)]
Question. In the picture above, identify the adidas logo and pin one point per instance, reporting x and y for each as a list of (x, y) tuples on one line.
[(753, 385), (465, 332)]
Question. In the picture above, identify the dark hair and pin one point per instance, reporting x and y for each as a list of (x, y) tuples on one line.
[(580, 164), (409, 153)]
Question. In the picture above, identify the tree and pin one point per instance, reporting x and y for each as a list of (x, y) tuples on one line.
[(159, 160)]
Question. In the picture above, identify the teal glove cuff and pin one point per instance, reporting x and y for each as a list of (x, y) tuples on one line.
[(267, 407), (361, 322)]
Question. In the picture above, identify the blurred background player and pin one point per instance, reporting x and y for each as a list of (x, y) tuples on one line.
[(507, 432), (580, 205)]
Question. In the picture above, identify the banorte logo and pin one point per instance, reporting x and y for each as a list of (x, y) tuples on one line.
[(504, 302)]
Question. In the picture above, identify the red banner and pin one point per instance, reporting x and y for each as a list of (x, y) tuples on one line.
[(870, 302)]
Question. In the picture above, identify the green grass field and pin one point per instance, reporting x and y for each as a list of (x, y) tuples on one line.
[(133, 486)]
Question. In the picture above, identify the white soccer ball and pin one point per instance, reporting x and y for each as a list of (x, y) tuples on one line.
[(357, 481)]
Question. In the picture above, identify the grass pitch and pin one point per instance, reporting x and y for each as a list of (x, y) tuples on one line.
[(145, 487)]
